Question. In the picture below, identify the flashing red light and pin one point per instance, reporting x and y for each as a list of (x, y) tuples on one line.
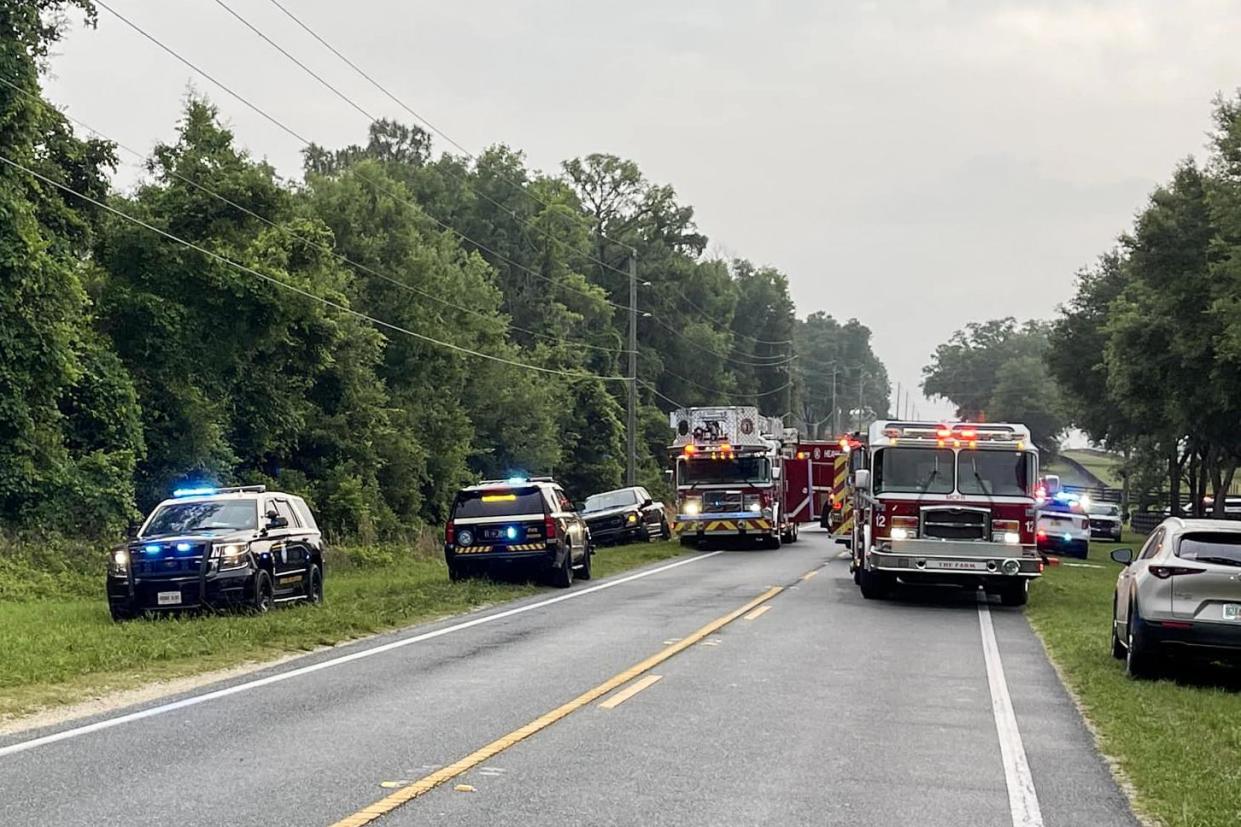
[(844, 443), (943, 433), (838, 505), (1042, 535), (802, 455), (969, 433)]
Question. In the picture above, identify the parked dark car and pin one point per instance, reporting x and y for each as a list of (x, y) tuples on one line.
[(215, 548), (625, 514)]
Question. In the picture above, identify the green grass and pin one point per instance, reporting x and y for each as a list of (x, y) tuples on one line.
[(59, 645), (1179, 742), (1103, 465)]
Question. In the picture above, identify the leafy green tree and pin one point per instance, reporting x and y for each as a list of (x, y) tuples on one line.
[(593, 441), (994, 371)]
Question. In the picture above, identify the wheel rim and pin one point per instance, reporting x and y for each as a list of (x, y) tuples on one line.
[(264, 601), (316, 588)]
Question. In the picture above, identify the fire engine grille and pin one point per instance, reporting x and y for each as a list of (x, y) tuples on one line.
[(955, 524)]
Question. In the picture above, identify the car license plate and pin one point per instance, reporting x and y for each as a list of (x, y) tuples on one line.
[(1232, 611), (957, 565), (168, 598)]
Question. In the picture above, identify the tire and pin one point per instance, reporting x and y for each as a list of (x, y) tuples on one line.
[(689, 542), (1082, 551), (1015, 594), (120, 614), (1141, 662), (314, 586), (665, 533), (796, 531), (263, 599), (772, 542), (456, 573), (1118, 647), (786, 536), (874, 585), (583, 573), (562, 575)]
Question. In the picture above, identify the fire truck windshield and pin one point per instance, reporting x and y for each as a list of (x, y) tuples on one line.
[(735, 471), (994, 473), (914, 471)]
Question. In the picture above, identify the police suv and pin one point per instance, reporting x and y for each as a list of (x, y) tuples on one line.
[(519, 521), (219, 547)]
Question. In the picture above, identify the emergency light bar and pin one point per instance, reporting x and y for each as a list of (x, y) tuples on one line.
[(959, 435), (209, 491)]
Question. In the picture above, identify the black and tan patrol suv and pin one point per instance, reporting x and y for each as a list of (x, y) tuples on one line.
[(520, 521), (218, 548)]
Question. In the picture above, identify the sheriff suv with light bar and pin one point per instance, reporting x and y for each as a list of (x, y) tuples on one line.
[(527, 522), (946, 504), (216, 548)]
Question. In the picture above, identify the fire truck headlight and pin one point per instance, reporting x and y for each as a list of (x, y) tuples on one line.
[(1012, 538), (755, 506), (692, 507), (900, 534)]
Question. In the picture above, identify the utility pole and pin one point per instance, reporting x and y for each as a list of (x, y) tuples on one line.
[(835, 409), (898, 400), (861, 378), (631, 427)]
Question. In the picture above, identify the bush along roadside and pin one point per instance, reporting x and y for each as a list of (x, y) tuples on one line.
[(61, 647)]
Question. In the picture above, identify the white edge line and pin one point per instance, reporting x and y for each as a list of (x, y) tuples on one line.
[(108, 723), (1022, 797)]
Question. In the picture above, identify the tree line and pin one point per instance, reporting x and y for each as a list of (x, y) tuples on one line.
[(392, 326), (1145, 358)]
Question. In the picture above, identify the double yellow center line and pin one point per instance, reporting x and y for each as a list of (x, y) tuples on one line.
[(425, 785)]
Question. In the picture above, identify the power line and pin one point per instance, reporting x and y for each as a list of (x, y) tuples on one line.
[(309, 241), (295, 289), (306, 141), (439, 132)]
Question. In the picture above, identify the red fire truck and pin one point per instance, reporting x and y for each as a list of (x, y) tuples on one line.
[(951, 504), (730, 476)]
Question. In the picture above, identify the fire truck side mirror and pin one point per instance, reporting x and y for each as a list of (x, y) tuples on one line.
[(861, 479), (668, 473)]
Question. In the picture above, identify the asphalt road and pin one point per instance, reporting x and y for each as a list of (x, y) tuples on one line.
[(816, 707)]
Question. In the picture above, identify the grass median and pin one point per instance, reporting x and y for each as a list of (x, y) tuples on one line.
[(59, 646), (1178, 741)]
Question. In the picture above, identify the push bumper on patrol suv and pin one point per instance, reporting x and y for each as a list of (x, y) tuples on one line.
[(949, 561), (177, 575)]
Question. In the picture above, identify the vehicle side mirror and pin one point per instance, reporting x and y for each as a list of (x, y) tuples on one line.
[(861, 479), (648, 502), (1124, 556), (579, 506), (274, 520)]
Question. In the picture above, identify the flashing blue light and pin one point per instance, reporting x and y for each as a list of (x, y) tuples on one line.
[(516, 480), (510, 533), (153, 548), (1068, 536), (184, 547), (193, 492)]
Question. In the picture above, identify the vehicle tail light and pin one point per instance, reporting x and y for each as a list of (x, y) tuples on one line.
[(1042, 534), (838, 504), (1164, 572), (549, 526), (1176, 624), (450, 533)]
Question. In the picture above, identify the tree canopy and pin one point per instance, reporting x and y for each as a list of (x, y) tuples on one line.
[(397, 324)]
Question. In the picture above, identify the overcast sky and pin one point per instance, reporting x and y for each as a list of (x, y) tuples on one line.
[(916, 164)]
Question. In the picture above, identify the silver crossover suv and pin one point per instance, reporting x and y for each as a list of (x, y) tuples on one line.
[(1180, 594)]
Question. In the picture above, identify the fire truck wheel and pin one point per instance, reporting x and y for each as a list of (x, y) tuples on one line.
[(1015, 594), (772, 542), (875, 585), (688, 541), (786, 536)]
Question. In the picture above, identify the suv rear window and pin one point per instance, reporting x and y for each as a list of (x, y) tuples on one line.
[(500, 502), (1223, 548)]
